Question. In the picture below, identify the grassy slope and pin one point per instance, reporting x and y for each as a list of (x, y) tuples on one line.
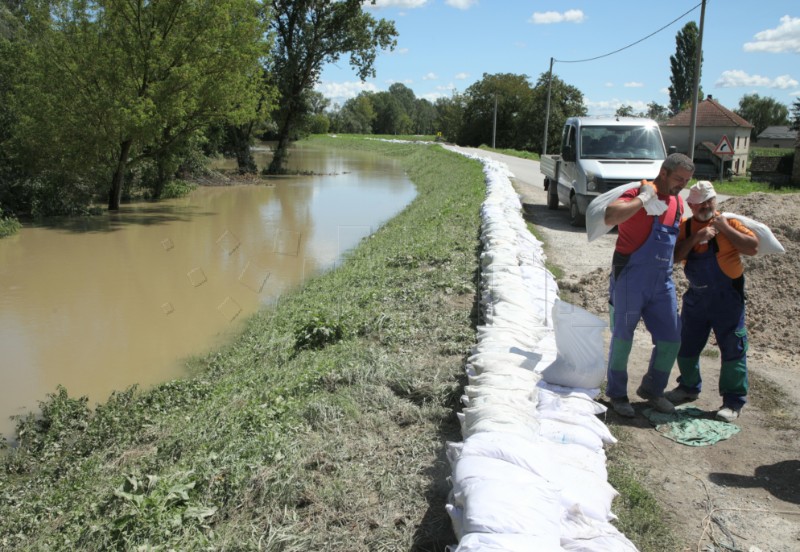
[(275, 447)]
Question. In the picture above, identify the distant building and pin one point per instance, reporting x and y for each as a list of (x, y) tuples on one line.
[(776, 137), (713, 122)]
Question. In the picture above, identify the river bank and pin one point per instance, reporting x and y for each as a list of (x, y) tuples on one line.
[(321, 427)]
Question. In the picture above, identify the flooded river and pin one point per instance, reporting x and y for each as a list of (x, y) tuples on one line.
[(99, 304)]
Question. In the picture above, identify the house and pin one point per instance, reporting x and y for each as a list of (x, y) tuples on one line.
[(776, 137), (714, 121)]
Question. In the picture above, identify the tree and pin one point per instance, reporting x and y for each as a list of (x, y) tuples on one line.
[(450, 115), (424, 116), (624, 111), (682, 65), (494, 109), (656, 112), (140, 79), (356, 115), (762, 113), (565, 101), (309, 33), (796, 115)]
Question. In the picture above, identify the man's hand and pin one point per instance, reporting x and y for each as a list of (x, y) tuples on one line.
[(646, 193)]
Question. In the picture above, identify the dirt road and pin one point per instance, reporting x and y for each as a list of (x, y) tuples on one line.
[(743, 493)]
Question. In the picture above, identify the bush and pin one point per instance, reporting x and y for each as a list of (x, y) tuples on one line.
[(318, 333), (9, 225), (177, 188)]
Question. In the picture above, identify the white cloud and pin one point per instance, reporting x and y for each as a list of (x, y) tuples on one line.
[(462, 76), (633, 85), (607, 108), (398, 51), (405, 81), (738, 79), (402, 4), (609, 85), (461, 4), (786, 38), (569, 16), (340, 92), (430, 76)]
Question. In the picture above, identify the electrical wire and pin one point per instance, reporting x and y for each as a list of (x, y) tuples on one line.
[(633, 43)]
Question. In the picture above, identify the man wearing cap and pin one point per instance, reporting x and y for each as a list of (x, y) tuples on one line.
[(710, 247), (641, 286)]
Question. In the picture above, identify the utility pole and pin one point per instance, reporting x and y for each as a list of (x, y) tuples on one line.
[(547, 107), (697, 64)]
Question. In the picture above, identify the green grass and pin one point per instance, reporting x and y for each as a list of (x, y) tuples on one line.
[(514, 153)]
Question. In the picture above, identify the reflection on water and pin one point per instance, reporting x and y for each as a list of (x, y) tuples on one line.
[(100, 304)]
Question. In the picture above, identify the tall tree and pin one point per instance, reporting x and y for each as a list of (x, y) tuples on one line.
[(138, 78), (762, 113), (310, 33), (795, 121), (682, 66)]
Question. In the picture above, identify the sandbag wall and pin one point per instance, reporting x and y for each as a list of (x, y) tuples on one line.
[(530, 473)]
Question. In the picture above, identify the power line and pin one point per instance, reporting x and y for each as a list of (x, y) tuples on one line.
[(633, 43)]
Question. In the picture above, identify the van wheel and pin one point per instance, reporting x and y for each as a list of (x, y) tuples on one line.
[(575, 216), (552, 194)]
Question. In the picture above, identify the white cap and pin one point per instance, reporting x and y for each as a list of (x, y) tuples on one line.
[(700, 192)]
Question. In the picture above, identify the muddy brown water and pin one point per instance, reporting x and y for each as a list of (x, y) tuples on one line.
[(99, 304)]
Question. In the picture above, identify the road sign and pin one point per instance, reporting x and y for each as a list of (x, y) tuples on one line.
[(724, 147)]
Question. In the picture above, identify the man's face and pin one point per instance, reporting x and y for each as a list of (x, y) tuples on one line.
[(704, 211), (677, 180)]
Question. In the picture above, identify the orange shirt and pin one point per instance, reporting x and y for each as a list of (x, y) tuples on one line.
[(728, 257)]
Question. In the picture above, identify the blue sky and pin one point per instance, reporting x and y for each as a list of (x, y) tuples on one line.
[(446, 45)]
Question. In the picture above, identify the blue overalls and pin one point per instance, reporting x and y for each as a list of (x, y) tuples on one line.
[(643, 289), (713, 301)]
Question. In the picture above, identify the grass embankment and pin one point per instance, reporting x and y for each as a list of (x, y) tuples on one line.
[(321, 427)]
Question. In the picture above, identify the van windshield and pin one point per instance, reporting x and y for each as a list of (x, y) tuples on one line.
[(621, 142)]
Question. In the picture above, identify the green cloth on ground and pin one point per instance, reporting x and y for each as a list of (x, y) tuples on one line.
[(688, 427)]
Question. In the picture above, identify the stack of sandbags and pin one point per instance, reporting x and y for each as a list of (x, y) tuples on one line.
[(530, 473)]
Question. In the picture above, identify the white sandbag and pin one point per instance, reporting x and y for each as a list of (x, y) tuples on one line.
[(506, 542), (511, 507), (540, 456), (587, 488), (768, 244), (578, 404), (579, 339), (585, 421), (596, 212), (520, 357), (570, 391), (560, 432), (467, 469), (580, 533), (504, 381)]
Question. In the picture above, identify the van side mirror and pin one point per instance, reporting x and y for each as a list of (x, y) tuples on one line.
[(568, 154)]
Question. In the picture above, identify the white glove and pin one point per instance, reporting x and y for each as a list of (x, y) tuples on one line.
[(654, 206), (646, 193)]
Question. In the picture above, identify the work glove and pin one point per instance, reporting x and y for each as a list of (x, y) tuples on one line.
[(652, 205)]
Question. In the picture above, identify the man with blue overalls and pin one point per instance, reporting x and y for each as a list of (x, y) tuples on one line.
[(711, 247), (641, 286)]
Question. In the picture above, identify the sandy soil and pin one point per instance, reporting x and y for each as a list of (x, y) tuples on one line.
[(741, 494)]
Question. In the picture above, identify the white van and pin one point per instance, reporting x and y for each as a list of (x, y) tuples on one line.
[(598, 154)]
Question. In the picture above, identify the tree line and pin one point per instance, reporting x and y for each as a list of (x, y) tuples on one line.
[(104, 100)]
